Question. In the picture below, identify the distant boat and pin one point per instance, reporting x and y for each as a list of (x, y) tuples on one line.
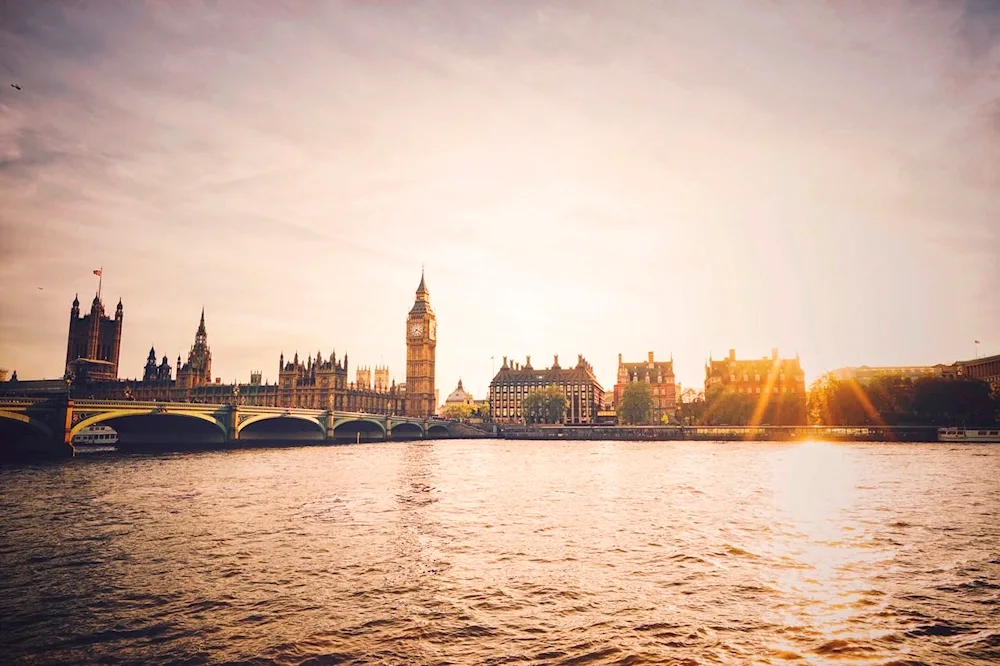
[(968, 435), (96, 435)]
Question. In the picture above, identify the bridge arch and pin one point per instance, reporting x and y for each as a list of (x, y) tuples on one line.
[(145, 428), (355, 429), (407, 430), (287, 427), (438, 431), (40, 426), (125, 413)]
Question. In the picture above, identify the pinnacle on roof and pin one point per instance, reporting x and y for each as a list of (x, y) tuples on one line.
[(422, 287), (201, 324)]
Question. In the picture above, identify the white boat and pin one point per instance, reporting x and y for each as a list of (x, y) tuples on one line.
[(96, 435), (969, 435)]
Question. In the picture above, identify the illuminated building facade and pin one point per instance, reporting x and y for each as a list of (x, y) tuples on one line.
[(514, 381), (774, 375), (313, 383), (421, 348), (659, 375)]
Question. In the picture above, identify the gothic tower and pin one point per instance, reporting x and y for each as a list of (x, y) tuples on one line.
[(198, 369), (94, 342), (421, 341)]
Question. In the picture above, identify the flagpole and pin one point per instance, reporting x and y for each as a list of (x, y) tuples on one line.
[(100, 282)]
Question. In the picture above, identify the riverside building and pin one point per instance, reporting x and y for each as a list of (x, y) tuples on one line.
[(659, 375), (514, 381), (774, 375), (93, 342), (319, 382), (864, 374), (987, 369)]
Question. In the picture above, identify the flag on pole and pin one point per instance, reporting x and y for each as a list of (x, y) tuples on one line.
[(99, 272), (977, 342)]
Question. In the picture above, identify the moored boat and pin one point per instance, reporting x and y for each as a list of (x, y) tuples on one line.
[(970, 435), (96, 435)]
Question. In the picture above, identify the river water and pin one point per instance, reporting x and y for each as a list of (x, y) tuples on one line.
[(489, 552)]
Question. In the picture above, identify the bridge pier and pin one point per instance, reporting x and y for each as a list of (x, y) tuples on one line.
[(66, 439), (36, 429)]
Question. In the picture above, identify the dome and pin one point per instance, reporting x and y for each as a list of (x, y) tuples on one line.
[(459, 396)]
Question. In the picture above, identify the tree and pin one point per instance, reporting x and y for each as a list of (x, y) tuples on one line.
[(636, 404), (692, 406), (458, 412), (725, 407), (964, 402), (544, 405), (482, 410), (894, 400)]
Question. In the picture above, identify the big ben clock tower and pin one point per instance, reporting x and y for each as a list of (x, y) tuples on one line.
[(421, 340)]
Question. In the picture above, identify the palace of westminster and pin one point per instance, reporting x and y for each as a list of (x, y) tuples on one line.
[(94, 343)]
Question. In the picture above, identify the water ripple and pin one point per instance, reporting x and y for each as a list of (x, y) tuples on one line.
[(505, 553)]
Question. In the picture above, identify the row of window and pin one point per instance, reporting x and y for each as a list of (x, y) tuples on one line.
[(756, 378), (784, 389)]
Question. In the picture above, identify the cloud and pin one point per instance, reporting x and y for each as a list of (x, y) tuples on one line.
[(672, 170), (980, 26)]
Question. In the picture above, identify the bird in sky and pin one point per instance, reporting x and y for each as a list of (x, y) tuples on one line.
[(14, 85)]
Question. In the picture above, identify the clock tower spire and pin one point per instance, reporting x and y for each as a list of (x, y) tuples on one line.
[(421, 341)]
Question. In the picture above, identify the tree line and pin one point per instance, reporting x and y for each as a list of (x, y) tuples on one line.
[(886, 400), (899, 401)]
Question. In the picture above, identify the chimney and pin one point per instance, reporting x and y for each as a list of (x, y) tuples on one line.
[(504, 362), (774, 353), (732, 354), (555, 360), (619, 359), (527, 361), (650, 357)]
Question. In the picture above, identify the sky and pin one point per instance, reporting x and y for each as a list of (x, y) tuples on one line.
[(680, 177)]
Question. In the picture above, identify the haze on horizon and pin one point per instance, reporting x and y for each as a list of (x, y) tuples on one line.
[(577, 177)]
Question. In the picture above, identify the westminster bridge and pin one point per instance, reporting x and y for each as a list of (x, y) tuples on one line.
[(45, 427)]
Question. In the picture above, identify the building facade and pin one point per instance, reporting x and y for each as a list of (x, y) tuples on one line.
[(513, 382), (94, 342), (864, 374), (774, 375), (659, 375), (421, 344), (986, 369), (459, 396)]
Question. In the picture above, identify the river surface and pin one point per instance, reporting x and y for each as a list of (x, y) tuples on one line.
[(490, 552)]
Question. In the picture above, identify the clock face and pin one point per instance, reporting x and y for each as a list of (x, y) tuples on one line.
[(416, 329)]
